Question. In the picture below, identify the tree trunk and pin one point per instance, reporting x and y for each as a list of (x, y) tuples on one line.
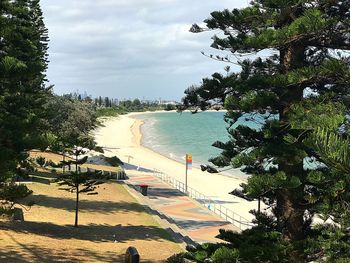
[(76, 163), (292, 58), (288, 210), (77, 197), (291, 214), (76, 207), (64, 166)]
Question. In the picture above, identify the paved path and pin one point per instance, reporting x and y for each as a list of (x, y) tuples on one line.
[(178, 210)]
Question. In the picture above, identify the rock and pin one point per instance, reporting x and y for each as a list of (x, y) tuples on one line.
[(18, 214)]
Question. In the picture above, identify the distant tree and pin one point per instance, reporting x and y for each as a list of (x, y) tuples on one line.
[(127, 104), (301, 84), (169, 107), (136, 104), (100, 101), (88, 99), (70, 120), (79, 182)]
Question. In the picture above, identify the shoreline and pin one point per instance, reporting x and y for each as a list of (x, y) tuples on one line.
[(121, 136), (136, 132), (135, 129)]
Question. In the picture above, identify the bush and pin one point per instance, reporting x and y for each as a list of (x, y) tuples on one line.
[(110, 112), (169, 107), (114, 161), (177, 258), (40, 160), (225, 255), (52, 164)]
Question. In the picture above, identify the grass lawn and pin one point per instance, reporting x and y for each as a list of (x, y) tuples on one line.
[(109, 223)]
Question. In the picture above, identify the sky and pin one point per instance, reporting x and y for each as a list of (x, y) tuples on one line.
[(128, 49)]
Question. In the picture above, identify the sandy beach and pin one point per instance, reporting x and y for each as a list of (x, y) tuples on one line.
[(121, 136)]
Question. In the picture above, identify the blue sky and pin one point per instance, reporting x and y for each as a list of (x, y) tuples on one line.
[(129, 48)]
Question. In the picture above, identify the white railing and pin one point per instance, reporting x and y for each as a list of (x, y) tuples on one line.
[(214, 206)]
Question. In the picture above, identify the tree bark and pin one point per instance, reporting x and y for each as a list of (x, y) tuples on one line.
[(288, 210), (76, 207), (291, 215)]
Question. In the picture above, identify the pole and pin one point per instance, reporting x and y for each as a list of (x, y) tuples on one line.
[(186, 173), (64, 166)]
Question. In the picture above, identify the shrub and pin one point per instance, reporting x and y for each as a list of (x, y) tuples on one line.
[(114, 161), (40, 160), (169, 107), (225, 255), (177, 258)]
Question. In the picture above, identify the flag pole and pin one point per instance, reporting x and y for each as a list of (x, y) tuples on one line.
[(186, 172)]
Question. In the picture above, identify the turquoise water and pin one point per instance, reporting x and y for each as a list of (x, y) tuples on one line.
[(175, 134)]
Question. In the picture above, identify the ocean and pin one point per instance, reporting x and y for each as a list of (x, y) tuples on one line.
[(175, 134)]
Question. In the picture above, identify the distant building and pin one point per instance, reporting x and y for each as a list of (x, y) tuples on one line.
[(170, 102)]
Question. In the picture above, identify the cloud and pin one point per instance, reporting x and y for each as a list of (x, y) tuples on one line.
[(129, 48)]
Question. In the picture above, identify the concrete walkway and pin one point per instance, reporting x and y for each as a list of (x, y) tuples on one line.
[(179, 212)]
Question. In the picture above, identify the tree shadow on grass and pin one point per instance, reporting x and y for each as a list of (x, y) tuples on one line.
[(103, 207), (91, 232), (22, 252)]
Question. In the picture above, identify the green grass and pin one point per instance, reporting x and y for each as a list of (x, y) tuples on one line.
[(110, 112)]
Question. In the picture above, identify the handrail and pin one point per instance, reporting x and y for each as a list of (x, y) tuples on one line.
[(219, 209)]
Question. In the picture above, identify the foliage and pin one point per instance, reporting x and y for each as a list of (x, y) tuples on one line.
[(127, 106), (169, 107), (110, 112), (70, 121), (79, 182), (300, 86), (10, 194), (41, 161), (224, 255), (331, 241), (177, 258), (114, 161), (23, 61)]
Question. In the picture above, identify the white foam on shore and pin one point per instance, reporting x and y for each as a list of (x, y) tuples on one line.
[(117, 134)]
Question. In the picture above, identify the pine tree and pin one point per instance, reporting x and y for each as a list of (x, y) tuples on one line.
[(23, 61), (299, 85), (79, 182)]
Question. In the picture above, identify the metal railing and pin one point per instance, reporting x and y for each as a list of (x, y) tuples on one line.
[(214, 206)]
